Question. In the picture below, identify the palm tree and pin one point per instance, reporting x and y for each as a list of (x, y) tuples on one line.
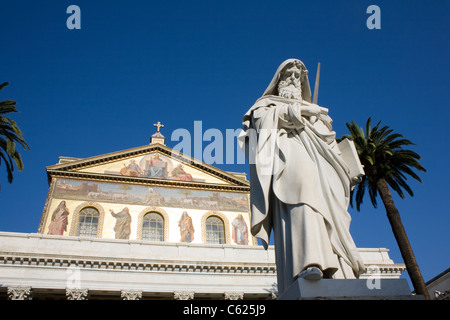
[(387, 165), (9, 135)]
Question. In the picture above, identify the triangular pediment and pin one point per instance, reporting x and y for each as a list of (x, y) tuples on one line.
[(154, 162)]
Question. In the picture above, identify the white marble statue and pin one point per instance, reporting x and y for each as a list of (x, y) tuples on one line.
[(300, 185)]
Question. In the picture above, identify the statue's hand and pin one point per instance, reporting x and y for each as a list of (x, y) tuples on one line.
[(297, 105), (311, 110)]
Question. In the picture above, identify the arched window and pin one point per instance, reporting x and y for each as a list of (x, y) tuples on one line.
[(153, 227), (88, 222), (215, 230)]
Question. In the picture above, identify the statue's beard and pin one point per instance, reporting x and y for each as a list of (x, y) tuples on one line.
[(289, 90)]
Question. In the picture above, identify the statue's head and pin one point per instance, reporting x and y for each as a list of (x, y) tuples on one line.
[(290, 81), (289, 85)]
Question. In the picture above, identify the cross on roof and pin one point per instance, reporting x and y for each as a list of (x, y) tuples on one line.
[(158, 125), (157, 137)]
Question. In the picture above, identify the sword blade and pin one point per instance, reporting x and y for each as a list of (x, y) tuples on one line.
[(316, 85)]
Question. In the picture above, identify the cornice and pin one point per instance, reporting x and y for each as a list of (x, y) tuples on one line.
[(146, 181), (144, 265), (157, 265)]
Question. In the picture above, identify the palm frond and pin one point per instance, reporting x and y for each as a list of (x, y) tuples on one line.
[(384, 155), (4, 84), (10, 134)]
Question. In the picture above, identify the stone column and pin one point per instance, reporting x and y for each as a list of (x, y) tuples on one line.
[(19, 293)]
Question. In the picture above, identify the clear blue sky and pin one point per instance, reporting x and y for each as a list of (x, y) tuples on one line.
[(87, 92)]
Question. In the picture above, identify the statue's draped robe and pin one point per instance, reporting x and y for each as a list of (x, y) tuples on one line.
[(300, 187)]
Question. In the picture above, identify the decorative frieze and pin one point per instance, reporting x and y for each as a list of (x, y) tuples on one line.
[(393, 270), (383, 271), (144, 266)]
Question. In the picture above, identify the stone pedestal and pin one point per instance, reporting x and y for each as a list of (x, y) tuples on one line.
[(349, 289)]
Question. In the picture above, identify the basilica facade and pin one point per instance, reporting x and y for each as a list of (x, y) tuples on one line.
[(150, 193)]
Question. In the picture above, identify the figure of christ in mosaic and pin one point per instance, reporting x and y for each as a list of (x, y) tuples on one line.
[(155, 167)]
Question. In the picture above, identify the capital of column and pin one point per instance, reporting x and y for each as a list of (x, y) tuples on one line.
[(76, 294), (131, 294), (19, 293), (183, 295), (234, 295)]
